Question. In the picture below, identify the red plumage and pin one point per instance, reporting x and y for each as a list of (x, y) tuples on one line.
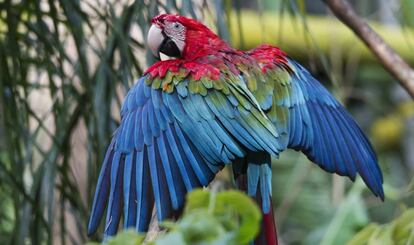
[(205, 52)]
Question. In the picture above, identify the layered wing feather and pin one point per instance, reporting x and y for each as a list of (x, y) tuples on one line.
[(311, 120), (173, 140)]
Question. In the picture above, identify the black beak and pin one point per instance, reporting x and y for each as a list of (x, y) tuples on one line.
[(169, 48)]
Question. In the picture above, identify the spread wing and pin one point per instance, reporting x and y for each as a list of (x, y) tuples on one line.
[(311, 120), (176, 133)]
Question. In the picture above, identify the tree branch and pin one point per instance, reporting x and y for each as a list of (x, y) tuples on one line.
[(386, 55)]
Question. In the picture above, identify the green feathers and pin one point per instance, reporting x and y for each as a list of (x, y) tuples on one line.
[(184, 80)]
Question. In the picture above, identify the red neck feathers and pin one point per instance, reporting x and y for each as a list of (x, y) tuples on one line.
[(201, 41)]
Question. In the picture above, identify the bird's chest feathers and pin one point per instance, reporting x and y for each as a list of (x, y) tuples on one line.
[(194, 76), (222, 71)]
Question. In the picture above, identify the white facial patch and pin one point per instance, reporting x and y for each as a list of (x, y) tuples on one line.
[(179, 41), (176, 31)]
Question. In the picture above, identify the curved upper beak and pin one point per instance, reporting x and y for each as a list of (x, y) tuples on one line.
[(162, 46), (155, 39)]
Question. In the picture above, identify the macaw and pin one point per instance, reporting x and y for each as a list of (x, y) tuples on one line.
[(206, 105)]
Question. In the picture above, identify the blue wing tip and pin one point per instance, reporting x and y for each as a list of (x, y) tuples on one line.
[(91, 229), (378, 192), (377, 188), (376, 185), (382, 196)]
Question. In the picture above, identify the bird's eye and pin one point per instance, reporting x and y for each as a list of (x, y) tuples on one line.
[(176, 26)]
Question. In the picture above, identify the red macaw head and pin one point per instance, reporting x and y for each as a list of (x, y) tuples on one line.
[(174, 36)]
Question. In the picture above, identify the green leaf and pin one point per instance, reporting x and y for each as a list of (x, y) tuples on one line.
[(126, 237), (399, 231), (171, 238), (248, 211), (228, 217), (363, 236)]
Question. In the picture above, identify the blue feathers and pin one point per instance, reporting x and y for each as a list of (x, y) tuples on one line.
[(113, 215), (259, 178), (101, 192), (168, 144), (145, 196), (130, 205), (322, 128), (168, 172)]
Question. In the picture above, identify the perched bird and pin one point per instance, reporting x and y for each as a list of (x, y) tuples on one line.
[(206, 105)]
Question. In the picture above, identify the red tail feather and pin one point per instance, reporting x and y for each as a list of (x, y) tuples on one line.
[(268, 233), (269, 227)]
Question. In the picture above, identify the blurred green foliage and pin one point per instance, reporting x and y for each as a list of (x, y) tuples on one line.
[(228, 217), (224, 218), (66, 65), (399, 232), (126, 237)]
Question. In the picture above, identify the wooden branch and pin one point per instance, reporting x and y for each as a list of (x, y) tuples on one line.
[(386, 55)]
